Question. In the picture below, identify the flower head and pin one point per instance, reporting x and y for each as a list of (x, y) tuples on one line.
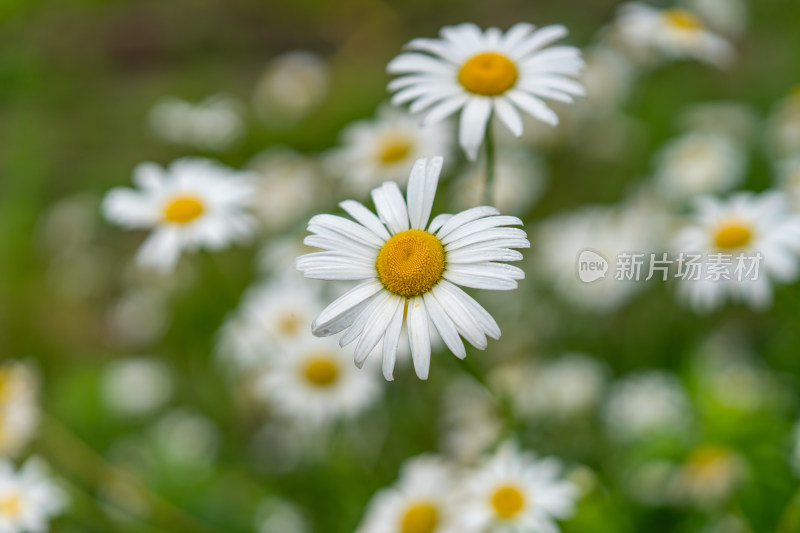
[(484, 73), (28, 497), (409, 270)]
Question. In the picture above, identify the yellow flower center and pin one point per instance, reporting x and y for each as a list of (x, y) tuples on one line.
[(411, 263), (11, 505), (289, 325), (488, 74), (682, 19), (394, 150), (709, 461), (183, 209), (421, 518), (731, 235), (321, 371), (507, 501)]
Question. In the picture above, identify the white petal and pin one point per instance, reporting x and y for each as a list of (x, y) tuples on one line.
[(477, 311), (419, 336), (480, 225), (343, 305), (335, 242), (422, 190), (481, 255), (391, 206), (444, 109), (476, 278), (360, 323), (348, 228), (390, 342), (418, 63), (533, 106), (472, 125), (509, 115), (376, 328), (466, 216), (438, 221), (539, 39), (515, 35), (444, 325), (365, 217), (460, 314), (161, 250)]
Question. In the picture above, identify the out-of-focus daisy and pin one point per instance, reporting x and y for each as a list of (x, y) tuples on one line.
[(409, 270), (29, 498), (746, 224), (470, 420), (485, 73), (195, 203), (283, 181), (646, 403), (728, 17), (138, 318), (384, 148), (278, 514), (708, 476), (421, 501), (136, 386), (314, 382), (674, 33), (784, 126), (213, 124), (513, 491), (291, 86), (186, 439), (789, 178), (271, 315), (518, 182), (698, 164), (608, 77), (638, 224), (733, 120), (19, 407)]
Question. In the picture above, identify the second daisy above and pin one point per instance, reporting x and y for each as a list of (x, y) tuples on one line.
[(409, 270)]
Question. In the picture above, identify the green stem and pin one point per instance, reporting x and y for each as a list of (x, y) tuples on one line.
[(488, 192)]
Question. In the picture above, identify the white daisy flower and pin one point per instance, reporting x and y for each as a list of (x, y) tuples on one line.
[(214, 124), (284, 179), (697, 164), (729, 17), (674, 33), (136, 386), (196, 203), (708, 476), (292, 86), (746, 224), (409, 271), (19, 407), (484, 73), (422, 501), (733, 120), (514, 492), (384, 148), (29, 498), (315, 382), (646, 403)]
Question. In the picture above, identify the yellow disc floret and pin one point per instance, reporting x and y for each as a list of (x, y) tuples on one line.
[(11, 506), (183, 209), (732, 235), (411, 263), (682, 19), (488, 74), (321, 371), (420, 518), (394, 150), (507, 501)]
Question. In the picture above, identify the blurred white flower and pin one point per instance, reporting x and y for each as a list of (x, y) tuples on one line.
[(608, 78), (313, 382), (674, 33), (136, 386), (284, 183), (646, 403), (291, 86), (697, 164), (748, 224), (708, 476), (728, 17), (568, 386), (186, 438), (423, 500), (514, 491), (518, 182), (195, 203), (482, 73), (384, 148), (783, 134), (470, 421), (277, 514), (138, 318), (19, 407), (734, 120), (636, 225), (214, 124), (29, 498)]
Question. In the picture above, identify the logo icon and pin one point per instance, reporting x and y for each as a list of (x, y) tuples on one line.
[(591, 266)]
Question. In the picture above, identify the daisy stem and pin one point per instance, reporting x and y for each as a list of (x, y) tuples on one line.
[(488, 191)]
